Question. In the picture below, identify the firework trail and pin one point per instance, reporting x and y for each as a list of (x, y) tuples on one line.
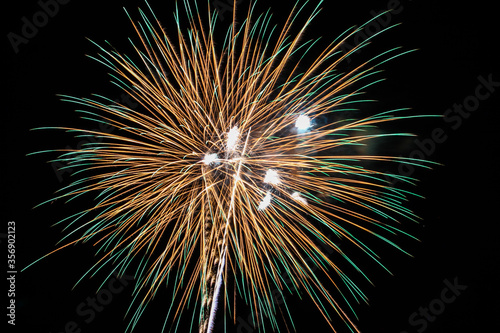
[(229, 171)]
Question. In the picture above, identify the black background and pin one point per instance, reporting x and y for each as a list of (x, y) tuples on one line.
[(457, 42)]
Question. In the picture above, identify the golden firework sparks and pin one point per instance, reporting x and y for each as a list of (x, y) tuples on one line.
[(224, 171)]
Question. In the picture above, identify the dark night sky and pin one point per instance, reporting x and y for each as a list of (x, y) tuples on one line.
[(457, 44)]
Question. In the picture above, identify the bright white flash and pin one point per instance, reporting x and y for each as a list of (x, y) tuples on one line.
[(297, 197), (232, 138), (303, 122), (266, 201), (272, 177), (210, 158)]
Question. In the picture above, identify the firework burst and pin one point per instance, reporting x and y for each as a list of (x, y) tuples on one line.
[(238, 162)]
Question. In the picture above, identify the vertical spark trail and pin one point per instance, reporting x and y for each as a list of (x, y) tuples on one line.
[(215, 301), (208, 322)]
